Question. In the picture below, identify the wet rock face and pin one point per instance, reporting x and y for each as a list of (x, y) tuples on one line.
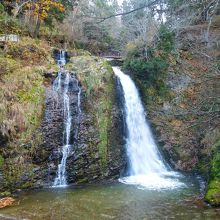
[(117, 133), (84, 163), (52, 128)]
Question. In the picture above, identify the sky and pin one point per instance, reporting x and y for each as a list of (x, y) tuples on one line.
[(120, 2)]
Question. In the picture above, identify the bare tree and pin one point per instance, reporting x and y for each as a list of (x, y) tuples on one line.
[(18, 6)]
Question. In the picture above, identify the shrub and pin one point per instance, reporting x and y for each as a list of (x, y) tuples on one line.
[(149, 65), (28, 50), (1, 162), (166, 39), (10, 25), (1, 9), (7, 65)]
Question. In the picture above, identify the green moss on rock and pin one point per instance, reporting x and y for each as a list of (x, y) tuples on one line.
[(21, 109), (96, 76), (1, 161), (213, 192)]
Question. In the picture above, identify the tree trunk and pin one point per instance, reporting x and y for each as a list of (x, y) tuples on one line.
[(37, 29)]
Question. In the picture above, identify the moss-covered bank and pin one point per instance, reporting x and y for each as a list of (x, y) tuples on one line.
[(22, 66), (213, 190)]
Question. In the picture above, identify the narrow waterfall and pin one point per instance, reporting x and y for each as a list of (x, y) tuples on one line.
[(57, 82), (61, 85), (61, 174), (62, 59), (147, 168)]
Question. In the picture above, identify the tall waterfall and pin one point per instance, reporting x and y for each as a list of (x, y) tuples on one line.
[(61, 85), (147, 168), (61, 174)]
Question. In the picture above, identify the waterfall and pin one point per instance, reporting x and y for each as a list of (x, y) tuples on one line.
[(147, 168), (62, 87), (62, 59), (61, 174), (57, 82)]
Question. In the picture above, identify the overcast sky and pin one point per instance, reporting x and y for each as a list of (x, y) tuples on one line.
[(120, 2)]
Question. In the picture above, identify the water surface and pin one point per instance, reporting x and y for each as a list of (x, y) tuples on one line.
[(112, 201)]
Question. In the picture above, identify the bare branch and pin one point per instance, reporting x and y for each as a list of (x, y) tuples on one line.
[(17, 7), (128, 12)]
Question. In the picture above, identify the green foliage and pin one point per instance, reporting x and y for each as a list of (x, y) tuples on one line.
[(24, 86), (98, 39), (150, 76), (174, 4), (14, 175), (132, 51), (1, 161), (148, 70), (5, 194), (166, 40), (2, 9), (21, 108), (10, 25), (7, 64), (213, 192), (28, 50), (149, 65), (96, 76)]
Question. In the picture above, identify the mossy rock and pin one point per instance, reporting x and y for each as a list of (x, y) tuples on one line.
[(5, 193), (96, 76), (1, 161), (213, 192)]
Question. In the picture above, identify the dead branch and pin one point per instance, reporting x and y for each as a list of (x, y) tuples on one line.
[(210, 22), (17, 7), (126, 13)]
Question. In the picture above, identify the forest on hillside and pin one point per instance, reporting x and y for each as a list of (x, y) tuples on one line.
[(101, 25), (169, 48)]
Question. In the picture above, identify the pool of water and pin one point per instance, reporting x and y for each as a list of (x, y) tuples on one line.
[(110, 201)]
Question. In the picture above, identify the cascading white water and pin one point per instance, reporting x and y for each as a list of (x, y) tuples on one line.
[(63, 90), (61, 174), (62, 59), (57, 82), (146, 166)]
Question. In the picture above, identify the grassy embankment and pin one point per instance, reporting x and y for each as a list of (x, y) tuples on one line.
[(22, 65)]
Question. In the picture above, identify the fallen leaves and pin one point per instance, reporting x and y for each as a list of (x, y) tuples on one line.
[(7, 201)]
